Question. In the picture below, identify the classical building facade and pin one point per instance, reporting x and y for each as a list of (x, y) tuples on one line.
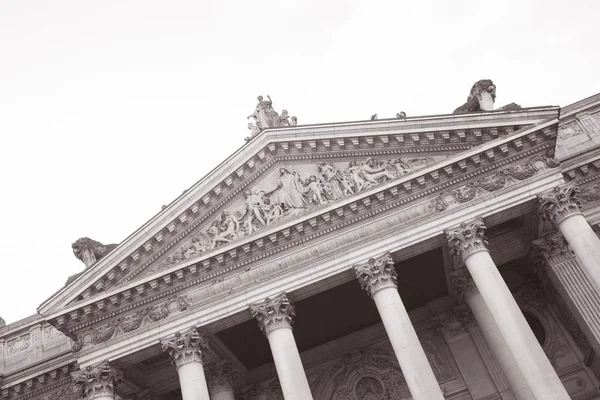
[(441, 257)]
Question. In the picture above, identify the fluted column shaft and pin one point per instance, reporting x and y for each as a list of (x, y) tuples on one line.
[(185, 351), (563, 207), (378, 278), (462, 282), (469, 242), (98, 382), (274, 317)]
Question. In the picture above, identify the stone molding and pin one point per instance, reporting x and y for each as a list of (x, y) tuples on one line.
[(377, 274), (554, 248), (97, 380), (220, 377), (185, 348), (468, 239), (454, 322), (560, 203), (273, 313), (463, 284)]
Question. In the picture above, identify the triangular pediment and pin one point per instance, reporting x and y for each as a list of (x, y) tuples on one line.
[(282, 176)]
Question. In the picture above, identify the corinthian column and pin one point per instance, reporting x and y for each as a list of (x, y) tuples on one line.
[(185, 351), (465, 287), (469, 243), (274, 317), (562, 206), (378, 278), (97, 382), (220, 378)]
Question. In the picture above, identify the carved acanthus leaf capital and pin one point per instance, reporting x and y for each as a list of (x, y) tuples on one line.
[(463, 284), (220, 377), (97, 380), (185, 348), (273, 313), (553, 247), (560, 203), (454, 321), (378, 273), (469, 238)]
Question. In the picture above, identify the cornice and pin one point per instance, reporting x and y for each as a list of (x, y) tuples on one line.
[(53, 376), (300, 138), (484, 153)]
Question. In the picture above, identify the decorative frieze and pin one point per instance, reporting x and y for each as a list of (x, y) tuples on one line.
[(590, 193), (185, 348), (378, 273), (560, 203), (273, 313), (463, 284), (97, 380), (454, 322), (220, 377), (468, 239)]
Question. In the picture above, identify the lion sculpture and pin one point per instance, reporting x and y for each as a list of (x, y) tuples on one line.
[(481, 98), (89, 251)]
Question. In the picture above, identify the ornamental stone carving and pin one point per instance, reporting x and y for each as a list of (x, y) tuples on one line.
[(97, 380), (560, 203), (378, 273), (553, 247), (185, 348), (273, 313), (220, 377), (463, 284), (89, 251), (454, 322), (590, 193), (468, 239)]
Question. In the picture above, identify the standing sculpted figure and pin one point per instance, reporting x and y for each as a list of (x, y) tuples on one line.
[(226, 229), (264, 114), (289, 192), (354, 173), (254, 209)]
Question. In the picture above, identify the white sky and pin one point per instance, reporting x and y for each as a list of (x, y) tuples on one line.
[(110, 109)]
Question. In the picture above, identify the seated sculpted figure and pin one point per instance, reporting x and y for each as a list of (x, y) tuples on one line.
[(373, 173)]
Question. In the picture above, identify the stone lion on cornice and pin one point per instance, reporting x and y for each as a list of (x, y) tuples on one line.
[(89, 251), (481, 91)]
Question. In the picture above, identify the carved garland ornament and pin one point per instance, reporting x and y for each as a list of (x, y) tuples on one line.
[(97, 380), (130, 322), (468, 239), (273, 313), (185, 348), (378, 273), (560, 203)]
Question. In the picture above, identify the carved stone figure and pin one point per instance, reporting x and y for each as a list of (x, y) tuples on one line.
[(289, 192), (294, 121), (375, 174), (401, 115), (266, 117), (481, 98), (254, 130), (373, 117), (2, 322), (89, 251)]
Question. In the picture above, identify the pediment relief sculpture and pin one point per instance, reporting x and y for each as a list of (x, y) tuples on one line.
[(291, 191)]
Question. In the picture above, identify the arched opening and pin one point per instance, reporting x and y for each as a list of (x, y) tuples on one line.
[(536, 327)]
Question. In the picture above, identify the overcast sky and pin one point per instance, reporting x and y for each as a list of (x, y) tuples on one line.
[(110, 109)]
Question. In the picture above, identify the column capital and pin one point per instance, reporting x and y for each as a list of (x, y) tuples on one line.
[(220, 377), (467, 239), (453, 322), (378, 273), (273, 313), (553, 247), (97, 380), (560, 203), (185, 348), (463, 284)]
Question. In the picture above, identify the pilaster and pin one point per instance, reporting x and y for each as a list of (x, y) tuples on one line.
[(97, 380)]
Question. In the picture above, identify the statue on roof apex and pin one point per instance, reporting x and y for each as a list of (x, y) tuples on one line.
[(2, 322), (266, 117), (89, 251), (481, 98)]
